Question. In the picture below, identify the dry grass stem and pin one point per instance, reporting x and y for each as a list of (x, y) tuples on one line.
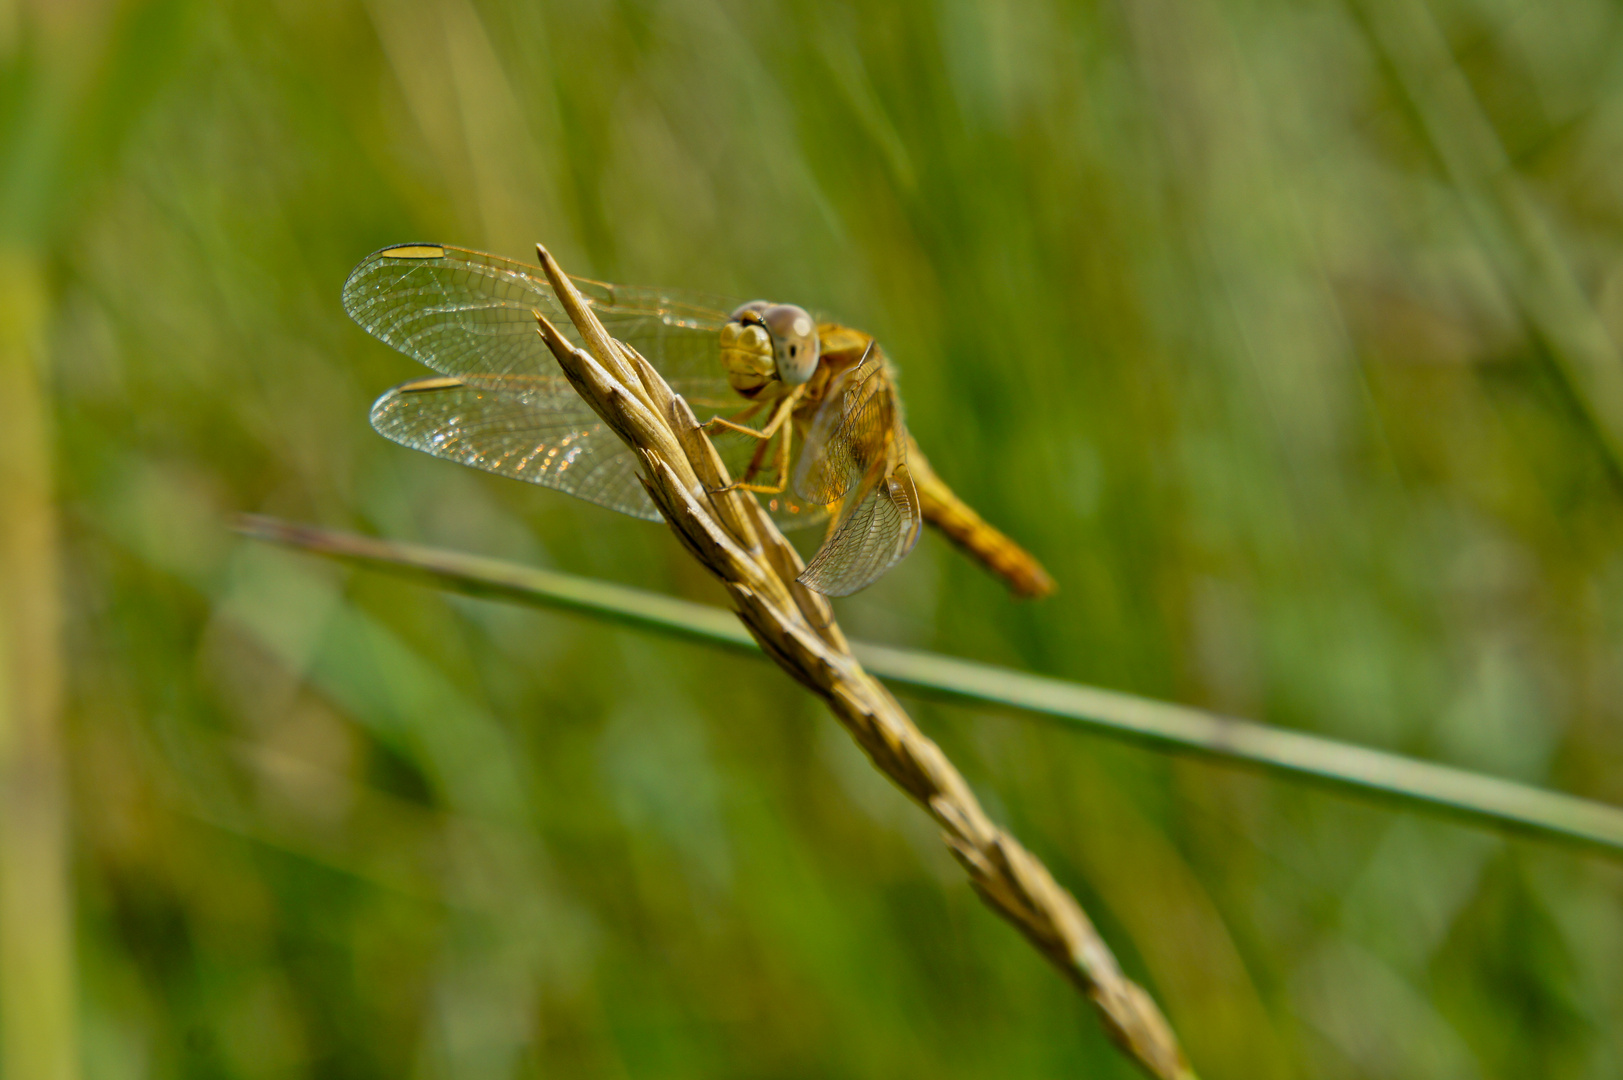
[(730, 534)]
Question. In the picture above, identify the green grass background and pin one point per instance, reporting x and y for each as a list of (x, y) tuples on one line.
[(1182, 299)]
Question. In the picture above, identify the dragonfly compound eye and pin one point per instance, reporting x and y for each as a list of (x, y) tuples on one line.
[(794, 342), (746, 351), (750, 312)]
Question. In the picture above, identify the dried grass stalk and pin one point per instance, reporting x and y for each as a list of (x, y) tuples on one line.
[(731, 535)]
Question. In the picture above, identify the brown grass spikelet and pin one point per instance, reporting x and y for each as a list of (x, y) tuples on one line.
[(729, 532)]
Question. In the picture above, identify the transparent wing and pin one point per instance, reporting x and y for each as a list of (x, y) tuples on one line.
[(880, 527), (753, 461), (790, 513), (470, 315), (535, 428), (854, 455), (855, 426)]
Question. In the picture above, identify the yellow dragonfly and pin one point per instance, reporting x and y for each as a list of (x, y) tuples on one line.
[(764, 377)]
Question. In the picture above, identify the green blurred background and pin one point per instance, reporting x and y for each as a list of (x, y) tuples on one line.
[(1265, 325)]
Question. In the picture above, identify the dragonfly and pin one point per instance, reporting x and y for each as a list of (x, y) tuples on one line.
[(804, 411)]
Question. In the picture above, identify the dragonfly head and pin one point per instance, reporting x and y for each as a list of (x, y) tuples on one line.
[(793, 335)]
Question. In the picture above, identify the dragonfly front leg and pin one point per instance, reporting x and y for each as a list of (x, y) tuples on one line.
[(779, 420), (779, 415), (775, 488)]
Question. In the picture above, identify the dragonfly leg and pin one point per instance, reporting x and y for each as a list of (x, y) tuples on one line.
[(756, 458), (780, 416), (775, 488), (732, 421)]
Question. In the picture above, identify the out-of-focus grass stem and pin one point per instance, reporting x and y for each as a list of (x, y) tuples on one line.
[(1512, 229), (37, 1026), (1406, 782)]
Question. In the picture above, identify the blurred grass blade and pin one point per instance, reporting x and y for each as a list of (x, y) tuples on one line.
[(1407, 782), (38, 1036), (1510, 226)]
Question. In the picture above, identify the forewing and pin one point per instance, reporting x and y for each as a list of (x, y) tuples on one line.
[(535, 428), (880, 527), (471, 315)]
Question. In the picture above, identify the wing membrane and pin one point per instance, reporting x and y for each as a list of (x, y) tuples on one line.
[(852, 428), (534, 428), (881, 527), (505, 408), (855, 456), (752, 460), (470, 315)]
